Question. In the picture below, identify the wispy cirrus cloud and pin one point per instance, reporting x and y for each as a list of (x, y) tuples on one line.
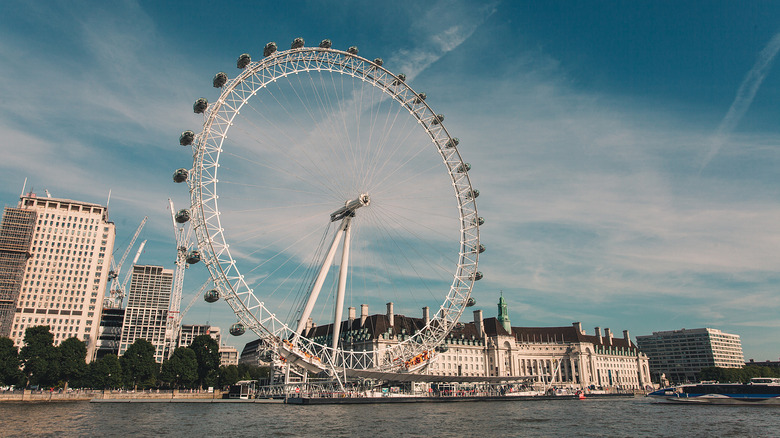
[(745, 95)]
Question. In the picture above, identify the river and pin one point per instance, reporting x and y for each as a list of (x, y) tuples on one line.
[(637, 417)]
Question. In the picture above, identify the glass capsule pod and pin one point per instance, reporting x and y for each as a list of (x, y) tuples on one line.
[(473, 194), (180, 175), (420, 98), (401, 78), (237, 329), (353, 50), (186, 138), (438, 119), (211, 296), (325, 44), (379, 61), (297, 43), (200, 105), (476, 276), (182, 216), (193, 257), (465, 167), (471, 302), (442, 348), (454, 141), (220, 79), (243, 60), (269, 49)]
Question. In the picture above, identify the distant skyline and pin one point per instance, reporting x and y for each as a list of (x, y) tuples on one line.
[(626, 152)]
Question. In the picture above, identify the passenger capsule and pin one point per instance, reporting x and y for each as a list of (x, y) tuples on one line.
[(438, 119), (480, 221), (269, 49), (481, 248), (200, 105), (401, 78), (297, 43), (325, 44), (473, 194), (454, 141), (193, 257), (211, 296), (465, 167), (180, 175), (182, 216), (420, 98), (442, 348), (471, 302), (476, 276), (237, 329), (219, 79), (243, 60), (378, 61), (186, 138), (353, 50)]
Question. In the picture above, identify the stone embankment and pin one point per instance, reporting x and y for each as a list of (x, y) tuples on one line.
[(28, 395)]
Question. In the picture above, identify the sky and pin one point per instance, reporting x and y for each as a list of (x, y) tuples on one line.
[(625, 152)]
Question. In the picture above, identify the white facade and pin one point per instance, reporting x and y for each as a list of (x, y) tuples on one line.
[(228, 355), (66, 276), (146, 315), (681, 354), (189, 332)]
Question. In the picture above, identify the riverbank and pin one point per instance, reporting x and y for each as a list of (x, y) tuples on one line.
[(28, 395)]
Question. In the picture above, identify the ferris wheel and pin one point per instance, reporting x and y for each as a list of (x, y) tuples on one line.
[(315, 152)]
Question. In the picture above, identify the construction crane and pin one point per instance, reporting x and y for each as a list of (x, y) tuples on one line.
[(120, 293), (184, 257), (114, 299)]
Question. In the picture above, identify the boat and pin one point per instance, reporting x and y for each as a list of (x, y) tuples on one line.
[(760, 390)]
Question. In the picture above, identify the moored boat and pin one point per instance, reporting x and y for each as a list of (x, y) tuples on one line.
[(760, 390)]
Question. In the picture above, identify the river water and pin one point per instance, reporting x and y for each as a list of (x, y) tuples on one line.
[(637, 417)]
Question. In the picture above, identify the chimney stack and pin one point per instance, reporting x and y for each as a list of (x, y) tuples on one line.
[(426, 315), (627, 337), (598, 334), (578, 327), (479, 323), (351, 316), (390, 314), (363, 314), (608, 335)]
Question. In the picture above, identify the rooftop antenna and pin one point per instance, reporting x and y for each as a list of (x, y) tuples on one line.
[(109, 198), (48, 195), (24, 186)]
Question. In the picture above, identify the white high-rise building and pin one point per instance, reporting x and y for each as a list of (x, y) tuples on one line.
[(146, 315), (680, 355), (65, 278)]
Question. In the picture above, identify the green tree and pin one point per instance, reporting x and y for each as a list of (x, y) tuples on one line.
[(106, 372), (40, 357), (228, 375), (181, 369), (207, 353), (138, 364), (73, 365), (10, 374)]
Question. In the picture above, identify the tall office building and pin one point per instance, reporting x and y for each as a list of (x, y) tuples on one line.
[(189, 332), (681, 354), (16, 231), (146, 314), (65, 278)]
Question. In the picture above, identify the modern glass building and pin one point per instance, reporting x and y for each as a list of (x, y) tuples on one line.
[(146, 314)]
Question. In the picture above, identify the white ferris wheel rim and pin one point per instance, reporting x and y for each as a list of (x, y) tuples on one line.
[(250, 309)]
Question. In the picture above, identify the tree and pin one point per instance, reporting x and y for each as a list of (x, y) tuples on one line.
[(228, 375), (138, 364), (181, 369), (39, 356), (106, 372), (73, 355), (10, 374), (207, 353)]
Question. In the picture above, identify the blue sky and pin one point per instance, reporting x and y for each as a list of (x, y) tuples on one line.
[(626, 152)]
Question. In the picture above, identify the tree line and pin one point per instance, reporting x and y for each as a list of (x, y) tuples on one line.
[(40, 364), (738, 375)]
